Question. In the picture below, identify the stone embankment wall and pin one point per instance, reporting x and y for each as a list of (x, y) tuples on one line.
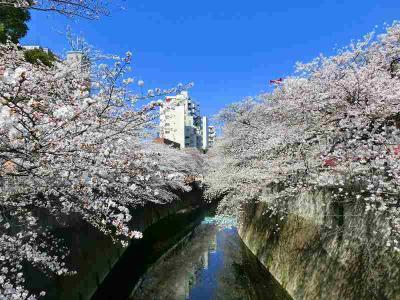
[(323, 249), (94, 255)]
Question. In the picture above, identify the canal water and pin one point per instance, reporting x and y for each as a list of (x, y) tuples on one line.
[(210, 262)]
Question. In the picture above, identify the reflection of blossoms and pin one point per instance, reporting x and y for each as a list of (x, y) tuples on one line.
[(335, 125), (135, 235)]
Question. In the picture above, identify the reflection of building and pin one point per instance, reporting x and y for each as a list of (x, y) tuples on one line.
[(212, 246), (180, 122), (205, 260)]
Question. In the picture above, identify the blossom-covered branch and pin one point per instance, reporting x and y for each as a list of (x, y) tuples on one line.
[(90, 9), (335, 125), (71, 143)]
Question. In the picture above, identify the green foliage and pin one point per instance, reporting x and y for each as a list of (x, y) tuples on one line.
[(13, 23), (35, 55)]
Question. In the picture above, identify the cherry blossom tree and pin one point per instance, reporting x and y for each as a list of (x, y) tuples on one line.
[(89, 9), (334, 125), (71, 143)]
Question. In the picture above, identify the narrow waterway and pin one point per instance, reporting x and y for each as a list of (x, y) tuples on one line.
[(211, 262)]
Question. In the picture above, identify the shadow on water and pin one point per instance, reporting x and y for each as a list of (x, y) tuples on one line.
[(141, 254), (209, 263)]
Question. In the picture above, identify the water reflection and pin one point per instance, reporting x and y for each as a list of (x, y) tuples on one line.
[(209, 263)]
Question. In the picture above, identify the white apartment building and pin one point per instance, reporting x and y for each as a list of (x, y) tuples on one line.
[(204, 130), (180, 122), (80, 58), (211, 136)]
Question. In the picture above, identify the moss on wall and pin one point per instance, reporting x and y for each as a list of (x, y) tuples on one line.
[(316, 259)]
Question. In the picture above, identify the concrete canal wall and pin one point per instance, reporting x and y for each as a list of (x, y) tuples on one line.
[(323, 249), (94, 255)]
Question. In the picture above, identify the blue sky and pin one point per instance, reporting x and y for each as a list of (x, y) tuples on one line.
[(230, 49)]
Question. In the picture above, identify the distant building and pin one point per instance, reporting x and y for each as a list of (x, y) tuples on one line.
[(180, 122), (204, 133), (167, 142), (211, 136), (80, 58), (36, 47)]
